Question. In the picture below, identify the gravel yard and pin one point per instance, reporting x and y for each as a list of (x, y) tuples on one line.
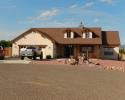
[(104, 64), (60, 82)]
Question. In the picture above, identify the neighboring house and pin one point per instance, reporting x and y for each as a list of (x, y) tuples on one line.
[(64, 42)]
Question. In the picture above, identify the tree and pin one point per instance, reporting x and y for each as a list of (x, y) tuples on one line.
[(5, 43), (121, 52)]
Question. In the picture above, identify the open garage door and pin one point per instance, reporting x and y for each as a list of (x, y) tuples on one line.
[(31, 51)]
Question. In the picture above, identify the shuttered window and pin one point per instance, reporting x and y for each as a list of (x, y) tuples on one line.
[(69, 35), (87, 35)]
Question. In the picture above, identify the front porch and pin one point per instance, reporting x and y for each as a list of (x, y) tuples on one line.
[(92, 51)]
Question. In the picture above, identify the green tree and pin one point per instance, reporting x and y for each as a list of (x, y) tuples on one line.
[(121, 52), (5, 43)]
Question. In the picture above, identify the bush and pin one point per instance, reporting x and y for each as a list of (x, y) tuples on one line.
[(99, 57), (59, 56), (122, 51), (48, 57)]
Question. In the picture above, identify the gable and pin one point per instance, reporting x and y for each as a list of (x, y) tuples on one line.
[(33, 38)]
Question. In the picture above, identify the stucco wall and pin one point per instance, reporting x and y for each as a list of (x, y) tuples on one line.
[(34, 38)]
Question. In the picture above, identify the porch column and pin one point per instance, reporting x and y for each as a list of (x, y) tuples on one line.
[(59, 50), (76, 50), (97, 50)]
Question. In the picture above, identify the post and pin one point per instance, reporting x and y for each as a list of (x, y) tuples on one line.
[(87, 55)]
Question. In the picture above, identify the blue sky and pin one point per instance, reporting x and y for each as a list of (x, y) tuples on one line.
[(16, 16)]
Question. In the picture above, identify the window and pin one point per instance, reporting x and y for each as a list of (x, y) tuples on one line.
[(87, 35), (87, 48), (108, 51), (69, 35)]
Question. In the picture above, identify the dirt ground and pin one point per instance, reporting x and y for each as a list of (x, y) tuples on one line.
[(60, 82)]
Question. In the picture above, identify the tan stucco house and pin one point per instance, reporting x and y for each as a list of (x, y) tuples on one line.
[(64, 42)]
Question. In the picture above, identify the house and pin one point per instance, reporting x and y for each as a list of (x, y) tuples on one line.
[(64, 42)]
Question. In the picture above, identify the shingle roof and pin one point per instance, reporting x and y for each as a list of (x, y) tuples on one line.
[(110, 38), (57, 34)]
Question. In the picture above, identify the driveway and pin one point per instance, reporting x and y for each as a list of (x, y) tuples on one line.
[(15, 60), (59, 82)]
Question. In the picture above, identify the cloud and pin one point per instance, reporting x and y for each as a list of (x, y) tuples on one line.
[(107, 1), (79, 13), (89, 4), (45, 15), (49, 13), (73, 6)]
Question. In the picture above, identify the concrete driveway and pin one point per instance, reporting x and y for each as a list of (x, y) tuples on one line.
[(15, 60), (59, 82)]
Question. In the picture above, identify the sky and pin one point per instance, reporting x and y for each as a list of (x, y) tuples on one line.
[(17, 16)]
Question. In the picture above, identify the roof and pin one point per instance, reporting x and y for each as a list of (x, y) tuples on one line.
[(110, 38), (57, 35)]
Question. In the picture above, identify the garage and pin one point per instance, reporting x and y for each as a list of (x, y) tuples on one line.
[(33, 38)]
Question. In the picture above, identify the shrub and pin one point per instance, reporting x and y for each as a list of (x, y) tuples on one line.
[(122, 51), (48, 57), (5, 43), (99, 57)]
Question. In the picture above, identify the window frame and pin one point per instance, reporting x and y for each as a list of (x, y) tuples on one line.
[(87, 35), (108, 51), (84, 49), (68, 34)]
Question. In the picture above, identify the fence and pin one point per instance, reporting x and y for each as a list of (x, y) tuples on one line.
[(8, 51)]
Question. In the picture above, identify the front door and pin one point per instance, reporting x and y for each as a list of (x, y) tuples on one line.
[(68, 50)]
